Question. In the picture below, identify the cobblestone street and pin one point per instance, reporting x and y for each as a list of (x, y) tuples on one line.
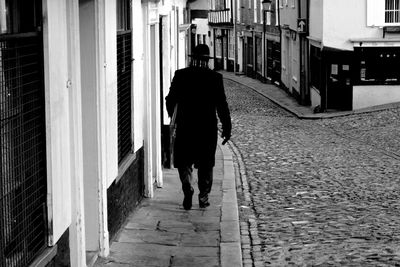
[(316, 192)]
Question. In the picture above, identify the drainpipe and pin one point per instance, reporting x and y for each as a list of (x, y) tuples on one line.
[(280, 39), (235, 35), (302, 93)]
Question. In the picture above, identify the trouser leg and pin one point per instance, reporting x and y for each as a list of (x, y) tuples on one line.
[(205, 180), (185, 174)]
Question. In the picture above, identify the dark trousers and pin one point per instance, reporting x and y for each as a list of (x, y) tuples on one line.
[(205, 179)]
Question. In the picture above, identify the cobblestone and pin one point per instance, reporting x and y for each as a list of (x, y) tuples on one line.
[(317, 193)]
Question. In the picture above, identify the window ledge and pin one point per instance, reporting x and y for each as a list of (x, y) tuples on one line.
[(45, 257), (124, 165)]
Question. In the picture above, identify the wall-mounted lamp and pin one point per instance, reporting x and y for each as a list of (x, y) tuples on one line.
[(267, 5)]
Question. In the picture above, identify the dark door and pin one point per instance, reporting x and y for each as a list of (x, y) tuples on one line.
[(249, 57), (270, 61), (339, 86)]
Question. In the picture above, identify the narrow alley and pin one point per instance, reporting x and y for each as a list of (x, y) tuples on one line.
[(315, 192)]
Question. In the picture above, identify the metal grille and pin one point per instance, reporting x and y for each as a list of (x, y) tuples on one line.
[(22, 153), (124, 62)]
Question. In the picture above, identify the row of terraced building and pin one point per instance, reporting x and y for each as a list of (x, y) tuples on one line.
[(333, 55)]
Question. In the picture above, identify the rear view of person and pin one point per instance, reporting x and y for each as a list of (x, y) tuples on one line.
[(199, 95)]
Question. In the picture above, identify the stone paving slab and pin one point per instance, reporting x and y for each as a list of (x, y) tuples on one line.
[(161, 233)]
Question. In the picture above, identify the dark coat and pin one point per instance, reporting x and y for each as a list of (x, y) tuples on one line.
[(200, 95)]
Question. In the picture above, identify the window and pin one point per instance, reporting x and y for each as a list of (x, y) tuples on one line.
[(124, 76), (19, 16), (220, 4), (231, 45), (268, 15), (239, 9), (377, 65), (255, 11), (123, 15), (276, 13), (261, 13), (293, 3), (23, 177), (392, 11)]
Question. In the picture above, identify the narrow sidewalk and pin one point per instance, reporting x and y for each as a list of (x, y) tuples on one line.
[(161, 233), (283, 99)]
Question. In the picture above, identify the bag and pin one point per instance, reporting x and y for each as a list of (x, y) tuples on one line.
[(172, 132)]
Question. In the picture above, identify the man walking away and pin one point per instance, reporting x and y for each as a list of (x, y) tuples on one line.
[(199, 95)]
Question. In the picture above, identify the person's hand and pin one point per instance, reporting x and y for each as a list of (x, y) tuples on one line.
[(226, 136)]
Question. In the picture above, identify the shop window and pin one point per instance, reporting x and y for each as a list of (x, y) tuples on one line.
[(378, 65), (315, 67)]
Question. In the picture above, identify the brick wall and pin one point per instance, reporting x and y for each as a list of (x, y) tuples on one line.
[(63, 253), (123, 196)]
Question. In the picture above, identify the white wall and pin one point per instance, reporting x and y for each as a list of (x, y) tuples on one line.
[(289, 14), (344, 20), (366, 96), (316, 19)]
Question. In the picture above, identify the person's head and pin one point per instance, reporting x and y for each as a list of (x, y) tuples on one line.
[(200, 56)]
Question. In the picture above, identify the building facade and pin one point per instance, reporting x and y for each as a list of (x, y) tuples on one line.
[(81, 107), (272, 43), (354, 61), (222, 34), (294, 45), (250, 28)]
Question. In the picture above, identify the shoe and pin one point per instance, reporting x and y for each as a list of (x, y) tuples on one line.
[(187, 200), (203, 202)]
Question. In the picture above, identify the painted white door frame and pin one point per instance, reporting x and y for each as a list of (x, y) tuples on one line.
[(152, 142), (77, 229), (93, 53)]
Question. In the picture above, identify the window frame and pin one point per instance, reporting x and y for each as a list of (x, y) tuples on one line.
[(392, 12)]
